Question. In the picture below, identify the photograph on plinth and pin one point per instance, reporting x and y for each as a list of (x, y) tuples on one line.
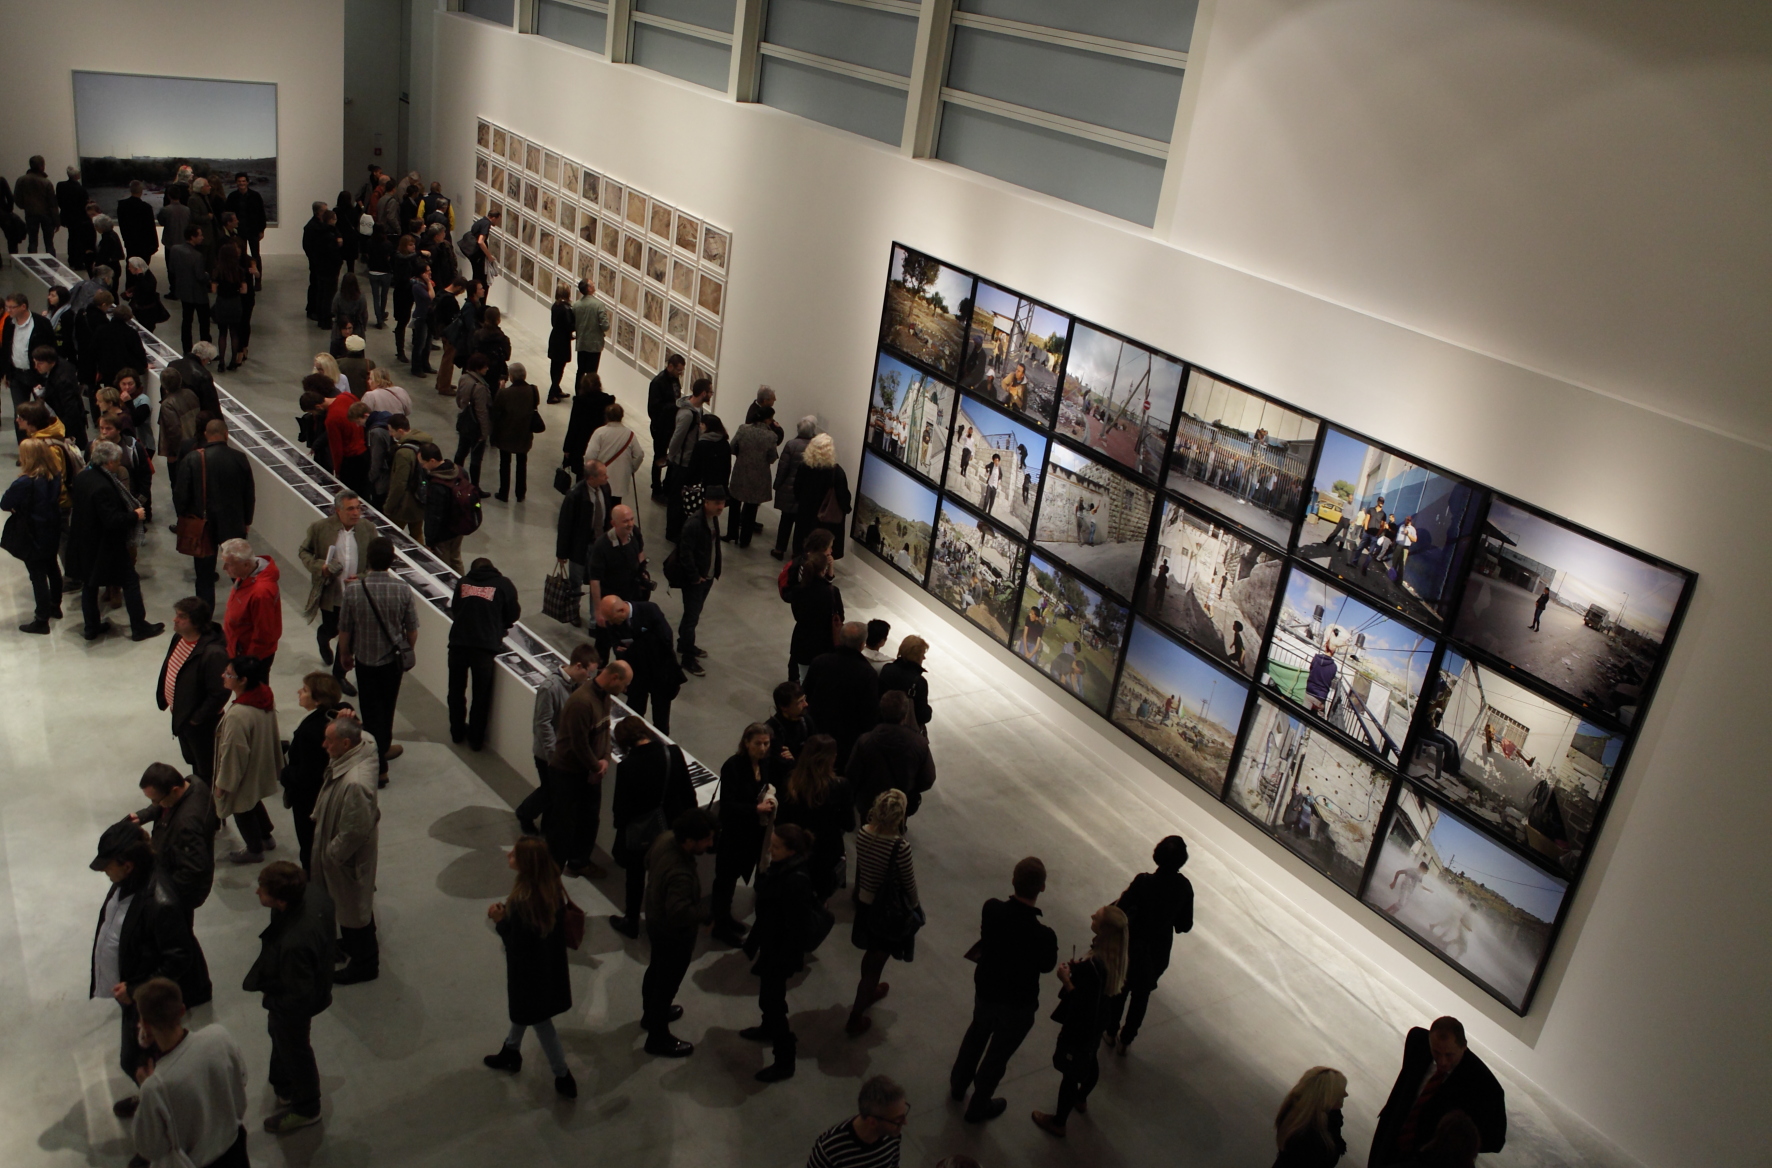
[(1528, 768), (994, 464), (1212, 584), (1243, 456), (894, 516), (1119, 398), (1468, 898), (1070, 631), (976, 569), (1571, 610), (908, 415), (1396, 530), (1179, 704), (1014, 351), (1094, 518), (926, 307), (1310, 792)]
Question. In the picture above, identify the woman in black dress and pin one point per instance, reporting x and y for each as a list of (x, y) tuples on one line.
[(538, 987), (652, 788), (745, 818), (785, 908), (1087, 984), (818, 609), (560, 326), (818, 801), (710, 465), (821, 486), (231, 284), (1158, 905), (304, 766), (588, 403), (1308, 1126)]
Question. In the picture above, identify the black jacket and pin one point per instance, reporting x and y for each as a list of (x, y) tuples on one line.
[(843, 693), (99, 527), (698, 547), (61, 393), (42, 335), (741, 833), (645, 643), (907, 677), (116, 345), (1306, 1149), (818, 608), (198, 696), (661, 407), (538, 984), (1015, 949), (582, 522), (791, 736), (1470, 1088), (891, 756), (156, 941), (588, 410), (648, 777), (785, 901), (561, 323), (811, 484), (304, 764), (230, 491), (1079, 1010), (199, 381), (184, 842), (135, 219), (1157, 905), (710, 463), (484, 608), (250, 208), (295, 956), (320, 243), (616, 567), (828, 823)]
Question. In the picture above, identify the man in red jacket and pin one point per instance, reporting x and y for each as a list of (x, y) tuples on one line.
[(345, 439), (253, 622)]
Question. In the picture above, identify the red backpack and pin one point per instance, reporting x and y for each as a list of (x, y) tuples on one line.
[(464, 506)]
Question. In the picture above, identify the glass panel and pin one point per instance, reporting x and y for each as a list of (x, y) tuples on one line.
[(706, 13), (861, 36), (501, 11), (687, 57), (579, 27), (1133, 96), (1168, 24), (848, 103), (1106, 178)]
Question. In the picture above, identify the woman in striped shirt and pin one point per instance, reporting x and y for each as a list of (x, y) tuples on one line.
[(887, 910)]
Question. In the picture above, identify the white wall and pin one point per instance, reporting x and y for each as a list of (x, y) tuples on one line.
[(298, 46), (1652, 1021)]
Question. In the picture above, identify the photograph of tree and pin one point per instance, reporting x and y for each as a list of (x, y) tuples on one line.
[(925, 303), (1181, 706), (1213, 585), (1119, 398), (1070, 632), (1094, 517), (1014, 352), (1242, 455), (975, 570), (994, 463), (894, 516), (908, 415)]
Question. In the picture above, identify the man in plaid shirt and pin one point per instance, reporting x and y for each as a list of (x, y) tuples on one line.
[(377, 627)]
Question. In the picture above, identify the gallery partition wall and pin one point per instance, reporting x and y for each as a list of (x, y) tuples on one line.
[(1425, 689)]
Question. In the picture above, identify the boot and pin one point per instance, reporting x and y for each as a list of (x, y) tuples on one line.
[(508, 1058), (783, 1066)]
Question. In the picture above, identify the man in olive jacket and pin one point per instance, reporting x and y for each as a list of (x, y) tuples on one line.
[(294, 973), (335, 550), (347, 841), (673, 914)]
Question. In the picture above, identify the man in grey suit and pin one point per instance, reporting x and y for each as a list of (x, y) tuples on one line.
[(189, 283)]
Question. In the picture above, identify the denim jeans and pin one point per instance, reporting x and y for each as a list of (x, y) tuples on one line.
[(695, 596), (379, 285), (550, 1043)]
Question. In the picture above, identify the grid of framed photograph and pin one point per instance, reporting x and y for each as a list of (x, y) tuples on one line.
[(662, 271), (1421, 688)]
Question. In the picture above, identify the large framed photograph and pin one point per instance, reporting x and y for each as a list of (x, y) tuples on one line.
[(1572, 610), (894, 516), (908, 415), (1351, 664), (1395, 529), (1180, 705), (976, 569), (1310, 792), (1530, 769), (926, 303), (1465, 896), (1094, 518), (994, 463), (1119, 398), (1212, 584), (1070, 631), (1244, 456), (1014, 351)]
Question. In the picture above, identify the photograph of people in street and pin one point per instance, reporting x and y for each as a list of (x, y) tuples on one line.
[(994, 463), (1211, 584), (1529, 769), (1094, 518), (925, 305), (1070, 631), (908, 415), (1310, 792), (1395, 530), (976, 570), (1180, 705), (1568, 609), (894, 516), (1014, 352), (1348, 663), (1484, 909), (1243, 455), (1119, 398)]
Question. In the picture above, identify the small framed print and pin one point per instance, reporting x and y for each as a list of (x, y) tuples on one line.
[(652, 308), (569, 171), (479, 202), (611, 239), (550, 167), (713, 246), (550, 206), (546, 246), (683, 276), (482, 168), (527, 234), (678, 322), (567, 260), (494, 207), (629, 297), (483, 136), (587, 230), (636, 209), (515, 153), (589, 186), (587, 266), (531, 194), (710, 294), (651, 351), (512, 223), (526, 269), (688, 236), (661, 221), (499, 138), (607, 276), (633, 252), (707, 339), (497, 182), (568, 217), (532, 159), (657, 264), (626, 333), (613, 195)]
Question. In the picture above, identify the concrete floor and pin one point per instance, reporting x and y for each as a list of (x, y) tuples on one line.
[(1256, 994)]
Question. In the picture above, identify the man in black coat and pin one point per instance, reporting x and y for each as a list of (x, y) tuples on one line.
[(661, 411), (187, 280), (184, 824), (248, 207), (194, 374), (843, 691), (891, 756), (905, 672), (71, 199), (190, 683), (135, 219), (116, 345), (698, 550), (294, 973), (21, 379), (1440, 1074), (484, 608), (59, 387), (216, 483), (639, 633), (584, 517), (1014, 950), (99, 526), (320, 243)]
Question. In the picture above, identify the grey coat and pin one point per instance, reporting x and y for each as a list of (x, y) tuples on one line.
[(753, 449), (785, 499), (347, 819)]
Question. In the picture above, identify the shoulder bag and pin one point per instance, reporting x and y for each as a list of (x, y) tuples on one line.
[(892, 918), (830, 511), (193, 530), (572, 920), (408, 655)]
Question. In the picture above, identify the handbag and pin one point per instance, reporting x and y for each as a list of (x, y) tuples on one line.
[(572, 921), (563, 480), (408, 655), (537, 424), (18, 538), (193, 530), (829, 511), (559, 597), (892, 917), (637, 836)]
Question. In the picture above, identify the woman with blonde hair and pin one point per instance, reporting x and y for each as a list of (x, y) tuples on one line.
[(33, 527), (817, 800), (326, 365), (1308, 1125), (538, 986), (822, 490), (887, 910), (1087, 985)]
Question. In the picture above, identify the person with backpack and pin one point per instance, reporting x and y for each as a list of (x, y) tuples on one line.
[(482, 611), (680, 452), (437, 210), (473, 419), (790, 921), (404, 504), (473, 246), (451, 503), (652, 788), (440, 321)]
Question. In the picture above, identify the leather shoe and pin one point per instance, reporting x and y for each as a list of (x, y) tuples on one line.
[(988, 1109), (351, 975), (395, 751), (125, 1108), (345, 687), (36, 626), (676, 1013), (147, 632), (669, 1046), (104, 629), (627, 928)]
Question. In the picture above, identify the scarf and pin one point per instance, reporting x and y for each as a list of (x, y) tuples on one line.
[(258, 697)]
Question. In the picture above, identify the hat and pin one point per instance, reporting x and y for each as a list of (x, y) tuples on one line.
[(115, 842), (354, 344), (366, 224), (716, 492)]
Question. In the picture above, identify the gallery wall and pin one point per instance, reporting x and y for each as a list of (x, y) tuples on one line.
[(296, 46), (1650, 1019)]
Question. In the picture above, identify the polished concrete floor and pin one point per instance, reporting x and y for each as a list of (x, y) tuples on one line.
[(1257, 993)]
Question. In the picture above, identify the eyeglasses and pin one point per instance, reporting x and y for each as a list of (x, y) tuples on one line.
[(897, 1121)]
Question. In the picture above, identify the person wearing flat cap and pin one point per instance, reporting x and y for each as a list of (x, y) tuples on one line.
[(698, 549)]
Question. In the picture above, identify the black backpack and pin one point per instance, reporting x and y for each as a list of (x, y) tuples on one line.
[(675, 573), (464, 506)]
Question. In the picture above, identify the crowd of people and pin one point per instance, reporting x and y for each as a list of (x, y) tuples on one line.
[(817, 797)]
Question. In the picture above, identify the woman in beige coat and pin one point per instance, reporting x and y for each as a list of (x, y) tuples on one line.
[(347, 819), (247, 757)]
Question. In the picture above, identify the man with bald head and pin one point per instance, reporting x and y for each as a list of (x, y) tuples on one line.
[(576, 770), (639, 634), (584, 517)]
